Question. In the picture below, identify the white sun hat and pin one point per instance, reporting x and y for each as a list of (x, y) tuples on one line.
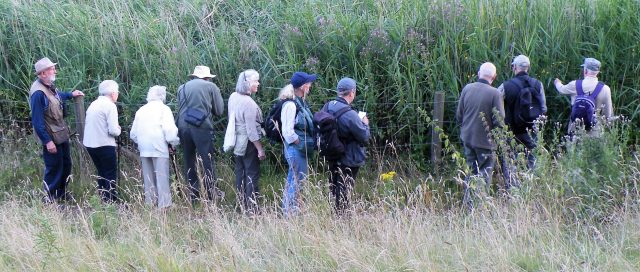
[(202, 72)]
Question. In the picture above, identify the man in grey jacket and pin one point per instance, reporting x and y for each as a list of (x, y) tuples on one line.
[(476, 118), (354, 132), (198, 100)]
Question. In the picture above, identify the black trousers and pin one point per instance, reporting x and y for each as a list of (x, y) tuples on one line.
[(106, 162), (341, 182), (247, 170), (197, 144)]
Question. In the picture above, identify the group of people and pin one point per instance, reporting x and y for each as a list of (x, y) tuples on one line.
[(517, 103), (298, 133), (157, 133)]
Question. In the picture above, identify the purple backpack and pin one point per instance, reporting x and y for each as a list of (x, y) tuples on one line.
[(584, 106)]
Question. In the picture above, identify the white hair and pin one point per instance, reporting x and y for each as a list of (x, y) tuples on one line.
[(487, 70), (107, 87), (286, 92), (244, 81), (157, 93)]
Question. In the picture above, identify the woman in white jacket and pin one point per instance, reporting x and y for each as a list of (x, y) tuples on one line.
[(155, 132)]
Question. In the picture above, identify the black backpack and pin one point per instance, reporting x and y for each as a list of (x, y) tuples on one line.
[(527, 106), (272, 124), (584, 106), (330, 145)]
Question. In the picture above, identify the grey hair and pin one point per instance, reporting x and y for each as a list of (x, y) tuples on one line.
[(157, 93), (244, 81), (107, 87), (487, 70), (286, 92), (590, 72), (344, 93)]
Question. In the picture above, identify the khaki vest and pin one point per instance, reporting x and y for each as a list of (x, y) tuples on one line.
[(53, 115)]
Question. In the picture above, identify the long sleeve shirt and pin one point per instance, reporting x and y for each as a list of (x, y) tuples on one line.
[(39, 104), (202, 95), (248, 118), (288, 118), (101, 123), (477, 101), (603, 101), (153, 129)]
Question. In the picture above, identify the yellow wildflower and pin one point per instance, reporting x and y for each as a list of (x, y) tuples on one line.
[(387, 176)]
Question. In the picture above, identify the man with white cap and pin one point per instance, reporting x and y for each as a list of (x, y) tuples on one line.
[(524, 102), (198, 100), (100, 132), (519, 119), (353, 130), (47, 116), (589, 86)]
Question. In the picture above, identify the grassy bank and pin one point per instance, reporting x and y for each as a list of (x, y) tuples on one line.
[(515, 236)]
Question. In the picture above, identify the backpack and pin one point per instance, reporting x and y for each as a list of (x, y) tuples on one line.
[(272, 124), (330, 145), (584, 106), (527, 106)]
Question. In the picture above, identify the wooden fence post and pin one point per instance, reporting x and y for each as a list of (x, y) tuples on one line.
[(80, 115), (436, 143)]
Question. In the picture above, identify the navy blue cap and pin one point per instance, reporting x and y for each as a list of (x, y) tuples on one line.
[(300, 78)]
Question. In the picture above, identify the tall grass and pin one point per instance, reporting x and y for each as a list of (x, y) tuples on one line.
[(401, 52)]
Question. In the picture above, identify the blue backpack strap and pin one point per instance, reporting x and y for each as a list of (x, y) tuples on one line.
[(579, 89), (595, 92)]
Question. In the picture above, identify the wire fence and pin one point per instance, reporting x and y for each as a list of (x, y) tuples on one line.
[(15, 123), (14, 115)]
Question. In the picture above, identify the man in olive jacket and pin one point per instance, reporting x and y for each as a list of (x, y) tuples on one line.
[(198, 100), (47, 117), (476, 118), (354, 132)]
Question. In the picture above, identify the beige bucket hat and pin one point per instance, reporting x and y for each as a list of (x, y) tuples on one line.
[(202, 72)]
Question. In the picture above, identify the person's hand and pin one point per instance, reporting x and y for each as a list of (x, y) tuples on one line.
[(172, 150), (51, 147), (365, 120), (77, 93), (261, 154), (297, 141), (557, 81)]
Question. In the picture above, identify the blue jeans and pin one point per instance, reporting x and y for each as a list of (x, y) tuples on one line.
[(57, 168), (298, 171)]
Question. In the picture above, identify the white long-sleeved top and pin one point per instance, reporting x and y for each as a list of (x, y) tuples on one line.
[(154, 129), (101, 123), (288, 118), (603, 101)]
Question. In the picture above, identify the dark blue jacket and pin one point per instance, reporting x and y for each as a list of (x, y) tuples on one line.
[(352, 131)]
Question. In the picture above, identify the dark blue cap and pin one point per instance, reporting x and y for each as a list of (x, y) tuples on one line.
[(300, 78)]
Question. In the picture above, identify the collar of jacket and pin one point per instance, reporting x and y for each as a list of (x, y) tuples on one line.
[(51, 87), (484, 81), (342, 100)]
